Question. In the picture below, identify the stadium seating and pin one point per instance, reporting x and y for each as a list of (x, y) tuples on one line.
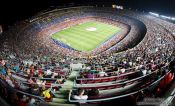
[(127, 63)]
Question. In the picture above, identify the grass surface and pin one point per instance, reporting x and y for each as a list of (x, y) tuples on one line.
[(82, 38)]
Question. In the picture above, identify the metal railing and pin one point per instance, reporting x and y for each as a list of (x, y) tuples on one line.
[(115, 97)]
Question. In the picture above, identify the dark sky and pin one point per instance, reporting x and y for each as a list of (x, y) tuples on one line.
[(12, 10)]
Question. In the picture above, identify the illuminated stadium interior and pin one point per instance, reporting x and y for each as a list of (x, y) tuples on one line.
[(90, 53), (87, 32)]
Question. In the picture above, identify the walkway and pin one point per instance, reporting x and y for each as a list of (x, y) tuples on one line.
[(62, 95)]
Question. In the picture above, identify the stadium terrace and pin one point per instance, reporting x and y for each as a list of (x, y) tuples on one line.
[(87, 55)]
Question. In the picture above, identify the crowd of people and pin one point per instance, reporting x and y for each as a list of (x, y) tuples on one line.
[(34, 57), (43, 36)]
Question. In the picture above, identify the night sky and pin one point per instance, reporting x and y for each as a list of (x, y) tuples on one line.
[(13, 10)]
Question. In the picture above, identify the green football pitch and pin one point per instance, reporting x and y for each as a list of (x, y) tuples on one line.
[(86, 36)]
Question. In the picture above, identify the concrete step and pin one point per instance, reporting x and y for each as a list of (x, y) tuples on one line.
[(60, 96), (64, 91), (59, 100), (61, 104), (58, 92), (56, 104)]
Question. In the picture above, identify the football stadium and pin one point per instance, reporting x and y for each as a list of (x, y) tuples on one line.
[(89, 54), (81, 37)]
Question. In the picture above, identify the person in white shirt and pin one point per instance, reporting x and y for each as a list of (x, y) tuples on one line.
[(122, 70), (81, 95), (9, 81), (102, 74), (88, 68), (144, 71), (48, 72), (138, 58), (130, 64), (40, 83), (54, 75)]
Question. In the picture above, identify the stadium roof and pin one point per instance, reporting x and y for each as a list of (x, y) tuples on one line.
[(13, 10)]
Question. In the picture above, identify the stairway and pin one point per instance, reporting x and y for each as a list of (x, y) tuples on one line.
[(61, 99), (61, 96)]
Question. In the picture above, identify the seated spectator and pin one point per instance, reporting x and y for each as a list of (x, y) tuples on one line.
[(138, 58), (23, 87), (23, 101), (28, 71), (36, 73), (30, 81), (32, 102), (40, 83), (9, 81), (80, 95), (40, 75), (2, 62), (122, 70), (153, 66), (93, 70), (16, 68), (130, 64), (54, 75), (3, 71), (102, 74), (48, 73), (60, 81), (144, 71), (88, 68), (47, 95), (9, 72), (149, 71), (93, 92), (35, 90), (90, 75)]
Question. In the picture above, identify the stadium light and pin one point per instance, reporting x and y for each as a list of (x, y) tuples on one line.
[(173, 18), (165, 17), (154, 14), (162, 16)]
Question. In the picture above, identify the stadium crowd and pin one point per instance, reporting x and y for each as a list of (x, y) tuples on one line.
[(32, 64)]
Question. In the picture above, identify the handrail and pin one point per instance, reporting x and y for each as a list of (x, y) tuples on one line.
[(168, 101), (39, 97), (81, 79), (17, 74), (132, 72), (51, 84), (116, 97), (46, 84), (120, 83), (113, 72)]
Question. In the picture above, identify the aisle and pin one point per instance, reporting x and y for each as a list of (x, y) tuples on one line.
[(61, 96), (69, 82)]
